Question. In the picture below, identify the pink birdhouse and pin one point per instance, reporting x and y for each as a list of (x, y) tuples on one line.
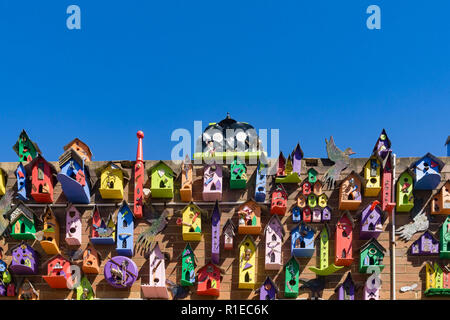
[(73, 227), (212, 182), (156, 288)]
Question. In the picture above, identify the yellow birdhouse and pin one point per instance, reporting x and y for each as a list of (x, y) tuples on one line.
[(247, 263), (430, 277), (50, 239), (3, 179), (372, 177), (192, 223), (112, 180)]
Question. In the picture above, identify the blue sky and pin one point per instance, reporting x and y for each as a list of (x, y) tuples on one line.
[(310, 68)]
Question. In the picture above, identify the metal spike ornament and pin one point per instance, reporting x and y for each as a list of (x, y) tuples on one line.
[(139, 178)]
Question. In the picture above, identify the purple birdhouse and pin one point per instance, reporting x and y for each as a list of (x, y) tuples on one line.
[(268, 290), (120, 272), (372, 219), (383, 145), (297, 156), (427, 244), (215, 241), (371, 292), (274, 238), (24, 260), (346, 290), (326, 214)]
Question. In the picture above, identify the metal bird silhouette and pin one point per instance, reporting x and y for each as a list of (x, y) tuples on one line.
[(341, 161), (146, 238), (178, 291), (5, 206), (420, 223), (315, 285)]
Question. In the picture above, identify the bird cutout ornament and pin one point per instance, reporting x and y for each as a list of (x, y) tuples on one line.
[(420, 223), (341, 161)]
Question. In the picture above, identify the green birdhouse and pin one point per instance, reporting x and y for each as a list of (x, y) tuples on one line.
[(188, 265), (238, 174), (405, 198), (22, 221), (161, 180), (26, 149), (444, 252), (292, 271), (312, 175), (371, 254), (84, 291)]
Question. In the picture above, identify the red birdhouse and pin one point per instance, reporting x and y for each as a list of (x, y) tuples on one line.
[(344, 237), (209, 280), (59, 274), (43, 178), (279, 200), (307, 214), (306, 188)]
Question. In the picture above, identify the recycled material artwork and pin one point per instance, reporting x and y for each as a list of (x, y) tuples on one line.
[(121, 272)]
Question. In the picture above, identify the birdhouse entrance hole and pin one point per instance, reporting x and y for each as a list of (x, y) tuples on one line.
[(72, 230), (302, 244), (247, 277), (22, 228), (373, 180), (40, 188), (405, 199), (187, 275), (343, 254), (274, 237), (111, 185), (272, 257), (155, 280), (261, 189), (124, 244), (208, 284), (213, 186), (350, 196), (191, 229), (292, 282), (371, 226)]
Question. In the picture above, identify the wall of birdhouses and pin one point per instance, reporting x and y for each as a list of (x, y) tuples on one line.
[(409, 269)]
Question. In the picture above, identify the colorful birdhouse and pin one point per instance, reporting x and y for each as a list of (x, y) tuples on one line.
[(371, 292), (318, 187), (312, 200), (84, 291), (120, 272), (444, 252), (192, 222), (249, 218), (317, 214), (125, 230), (292, 272), (91, 260), (274, 233), (186, 180), (281, 166), (372, 177), (427, 172), (161, 180), (74, 177), (371, 254), (102, 232), (325, 268), (73, 226), (212, 182), (247, 263), (427, 244), (296, 214), (112, 180), (43, 178), (59, 275), (326, 214), (268, 290), (81, 148), (228, 231), (387, 198), (21, 177), (22, 221), (188, 264), (27, 292), (215, 234), (3, 181), (405, 197), (7, 287), (297, 156), (322, 200), (26, 149), (238, 174), (301, 201), (436, 280), (50, 238), (346, 290), (307, 214), (312, 175), (306, 188), (156, 288), (261, 180), (209, 280), (344, 238), (383, 145), (350, 192), (302, 240), (24, 259), (440, 203), (285, 171), (372, 219), (279, 200)]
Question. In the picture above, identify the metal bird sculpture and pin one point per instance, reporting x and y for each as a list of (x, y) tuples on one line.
[(146, 238), (5, 206), (315, 285), (420, 223), (178, 291), (341, 161)]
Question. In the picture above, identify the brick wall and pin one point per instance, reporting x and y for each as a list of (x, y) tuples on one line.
[(409, 269)]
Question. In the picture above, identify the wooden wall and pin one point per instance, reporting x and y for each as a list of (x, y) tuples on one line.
[(409, 269)]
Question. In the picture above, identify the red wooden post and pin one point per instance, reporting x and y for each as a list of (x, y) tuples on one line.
[(139, 177)]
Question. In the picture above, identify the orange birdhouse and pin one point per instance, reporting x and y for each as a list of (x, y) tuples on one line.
[(91, 260), (59, 275), (350, 195), (344, 237), (186, 180), (440, 203), (279, 200), (249, 218), (209, 280)]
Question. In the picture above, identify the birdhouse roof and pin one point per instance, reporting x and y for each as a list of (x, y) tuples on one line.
[(193, 204), (387, 140), (447, 141), (174, 170), (297, 149), (80, 143), (446, 221), (430, 234), (123, 204), (117, 164), (279, 187), (188, 247), (229, 224), (255, 204), (216, 206), (68, 155), (294, 259), (91, 246), (348, 278), (439, 162), (378, 208), (361, 179), (20, 209), (211, 264), (275, 218), (56, 256), (349, 216), (156, 249), (375, 243), (304, 225), (327, 227), (11, 249), (269, 280), (16, 145), (31, 164), (281, 156), (249, 237), (408, 171)]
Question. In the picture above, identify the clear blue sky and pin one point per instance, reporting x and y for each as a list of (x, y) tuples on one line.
[(310, 68)]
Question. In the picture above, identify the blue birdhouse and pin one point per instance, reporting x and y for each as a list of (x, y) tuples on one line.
[(296, 214), (21, 176), (261, 178), (74, 177), (125, 229), (427, 172), (302, 241)]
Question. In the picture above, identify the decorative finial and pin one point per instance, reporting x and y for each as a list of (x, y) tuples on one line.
[(140, 134)]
